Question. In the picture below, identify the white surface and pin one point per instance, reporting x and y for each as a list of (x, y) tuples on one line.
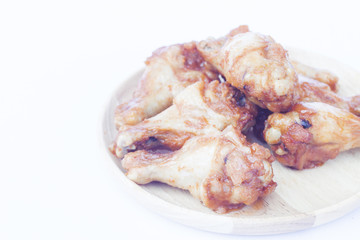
[(59, 63)]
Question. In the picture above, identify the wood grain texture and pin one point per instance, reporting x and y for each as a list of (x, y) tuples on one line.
[(303, 199)]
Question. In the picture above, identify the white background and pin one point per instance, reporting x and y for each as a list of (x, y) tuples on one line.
[(60, 62)]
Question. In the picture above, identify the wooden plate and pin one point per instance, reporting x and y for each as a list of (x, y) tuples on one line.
[(303, 199)]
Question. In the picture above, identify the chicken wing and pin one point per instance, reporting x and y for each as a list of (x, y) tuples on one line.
[(311, 133), (310, 90), (256, 65), (220, 169), (321, 75), (168, 71), (201, 108)]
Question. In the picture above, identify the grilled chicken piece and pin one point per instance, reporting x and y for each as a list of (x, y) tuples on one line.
[(168, 71), (311, 133), (220, 169), (310, 90), (201, 108), (320, 75), (256, 65)]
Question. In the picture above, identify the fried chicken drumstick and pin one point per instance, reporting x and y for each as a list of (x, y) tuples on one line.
[(199, 109), (256, 65), (221, 169), (310, 90), (311, 133), (168, 71)]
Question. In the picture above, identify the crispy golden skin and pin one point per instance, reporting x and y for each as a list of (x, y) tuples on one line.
[(168, 71), (221, 169), (311, 133)]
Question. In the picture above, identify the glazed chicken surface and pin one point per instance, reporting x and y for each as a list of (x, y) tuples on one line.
[(201, 108), (221, 169), (168, 71), (256, 65), (311, 133)]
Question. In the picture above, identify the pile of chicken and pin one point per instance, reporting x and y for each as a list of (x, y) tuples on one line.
[(187, 120)]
